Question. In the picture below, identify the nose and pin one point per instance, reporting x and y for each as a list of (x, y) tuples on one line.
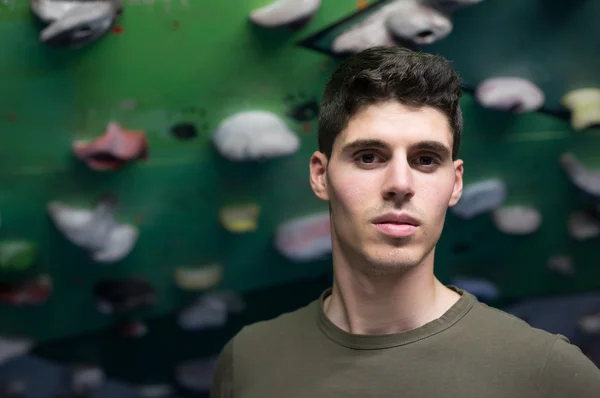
[(398, 184)]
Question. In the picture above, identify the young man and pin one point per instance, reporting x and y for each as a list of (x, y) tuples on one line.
[(389, 133)]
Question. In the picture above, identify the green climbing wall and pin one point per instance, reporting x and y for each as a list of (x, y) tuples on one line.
[(196, 63), (199, 62)]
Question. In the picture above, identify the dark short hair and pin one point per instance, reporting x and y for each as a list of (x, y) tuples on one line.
[(381, 74)]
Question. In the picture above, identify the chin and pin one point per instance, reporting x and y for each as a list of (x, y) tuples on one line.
[(390, 260)]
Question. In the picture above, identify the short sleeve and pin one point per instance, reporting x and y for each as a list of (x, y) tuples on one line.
[(569, 373), (222, 385)]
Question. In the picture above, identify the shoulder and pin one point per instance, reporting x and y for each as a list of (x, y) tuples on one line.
[(502, 323), (279, 333), (280, 328), (568, 372), (507, 336)]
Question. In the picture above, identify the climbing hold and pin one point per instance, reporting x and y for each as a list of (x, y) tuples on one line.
[(156, 391), (30, 292), (184, 131), (194, 279), (289, 13), (512, 94), (132, 328), (304, 238), (126, 294), (480, 197), (196, 375), (583, 226), (584, 105), (590, 323), (417, 22), (254, 135), (561, 263), (95, 230), (240, 219), (211, 310), (86, 378), (17, 255), (587, 181), (75, 23), (482, 288), (113, 150), (13, 347), (517, 220), (370, 32)]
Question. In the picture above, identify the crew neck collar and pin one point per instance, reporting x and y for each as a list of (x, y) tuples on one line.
[(366, 341)]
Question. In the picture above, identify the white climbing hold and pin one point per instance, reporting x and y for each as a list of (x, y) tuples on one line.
[(95, 231), (513, 94), (305, 238), (480, 197), (285, 13), (583, 226), (417, 22), (75, 23), (255, 135), (584, 105), (371, 32), (517, 220), (586, 180)]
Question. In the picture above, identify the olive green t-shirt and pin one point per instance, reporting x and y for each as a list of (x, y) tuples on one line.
[(472, 351)]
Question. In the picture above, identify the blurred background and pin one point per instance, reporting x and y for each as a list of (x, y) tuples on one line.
[(154, 194)]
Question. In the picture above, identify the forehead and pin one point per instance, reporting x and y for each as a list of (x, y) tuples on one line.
[(397, 125)]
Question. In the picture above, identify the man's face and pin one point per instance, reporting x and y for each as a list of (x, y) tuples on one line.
[(389, 182)]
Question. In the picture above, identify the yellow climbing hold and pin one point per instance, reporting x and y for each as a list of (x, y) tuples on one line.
[(188, 278), (240, 219)]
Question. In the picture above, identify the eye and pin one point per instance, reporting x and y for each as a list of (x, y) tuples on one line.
[(367, 158), (428, 161)]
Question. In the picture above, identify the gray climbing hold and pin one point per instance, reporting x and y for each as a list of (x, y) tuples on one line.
[(517, 220), (587, 181), (479, 287), (561, 263), (583, 226), (210, 310), (480, 197), (196, 375)]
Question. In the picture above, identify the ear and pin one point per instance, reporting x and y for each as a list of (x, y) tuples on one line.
[(458, 182), (318, 175)]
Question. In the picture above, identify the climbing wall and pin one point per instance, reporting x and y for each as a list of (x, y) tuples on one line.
[(175, 70)]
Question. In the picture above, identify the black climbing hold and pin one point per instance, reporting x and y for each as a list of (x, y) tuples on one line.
[(115, 295), (305, 111), (184, 131)]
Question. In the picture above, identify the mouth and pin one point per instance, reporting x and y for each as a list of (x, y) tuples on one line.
[(396, 225)]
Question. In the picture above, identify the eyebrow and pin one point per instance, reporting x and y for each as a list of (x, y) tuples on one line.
[(432, 146), (362, 144)]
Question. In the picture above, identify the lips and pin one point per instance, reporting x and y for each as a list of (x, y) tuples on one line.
[(396, 225), (396, 218)]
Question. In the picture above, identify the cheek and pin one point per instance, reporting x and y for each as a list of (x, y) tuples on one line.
[(436, 196), (351, 193)]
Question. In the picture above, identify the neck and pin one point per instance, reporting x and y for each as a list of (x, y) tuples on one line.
[(361, 303)]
